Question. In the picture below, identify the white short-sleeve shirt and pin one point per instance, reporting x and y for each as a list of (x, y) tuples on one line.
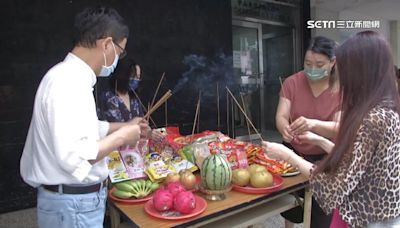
[(64, 130)]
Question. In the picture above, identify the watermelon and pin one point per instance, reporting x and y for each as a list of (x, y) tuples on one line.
[(216, 172)]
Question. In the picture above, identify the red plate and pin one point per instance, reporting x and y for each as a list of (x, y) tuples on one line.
[(130, 200), (277, 184), (201, 205)]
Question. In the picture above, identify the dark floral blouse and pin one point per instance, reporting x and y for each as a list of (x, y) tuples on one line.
[(113, 109)]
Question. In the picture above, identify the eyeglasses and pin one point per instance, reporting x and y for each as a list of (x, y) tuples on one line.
[(123, 51)]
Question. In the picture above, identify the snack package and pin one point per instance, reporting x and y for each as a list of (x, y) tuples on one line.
[(180, 163), (233, 150), (187, 153), (143, 147), (200, 152), (238, 159), (133, 162), (252, 150), (117, 170), (156, 168), (274, 166)]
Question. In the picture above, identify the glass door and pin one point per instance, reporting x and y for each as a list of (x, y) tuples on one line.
[(279, 62), (247, 68), (262, 53)]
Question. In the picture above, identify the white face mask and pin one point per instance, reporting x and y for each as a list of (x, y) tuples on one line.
[(107, 70)]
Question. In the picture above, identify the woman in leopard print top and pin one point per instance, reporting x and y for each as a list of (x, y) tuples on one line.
[(361, 175)]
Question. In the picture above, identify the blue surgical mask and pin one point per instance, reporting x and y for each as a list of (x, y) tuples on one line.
[(107, 70), (134, 84), (315, 74)]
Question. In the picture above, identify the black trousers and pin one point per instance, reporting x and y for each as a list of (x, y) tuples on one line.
[(318, 217)]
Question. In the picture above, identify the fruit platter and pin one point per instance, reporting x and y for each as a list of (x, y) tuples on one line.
[(255, 180), (174, 202)]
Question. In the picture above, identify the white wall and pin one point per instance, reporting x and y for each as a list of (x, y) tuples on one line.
[(343, 33), (386, 11), (352, 15)]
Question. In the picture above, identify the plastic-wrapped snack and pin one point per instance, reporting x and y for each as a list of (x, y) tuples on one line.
[(206, 139), (117, 170), (200, 152), (167, 154), (143, 146), (156, 168), (180, 163), (186, 152), (134, 163), (237, 158)]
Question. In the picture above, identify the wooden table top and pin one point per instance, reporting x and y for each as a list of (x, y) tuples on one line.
[(234, 202)]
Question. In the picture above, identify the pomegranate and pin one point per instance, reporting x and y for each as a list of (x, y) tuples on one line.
[(163, 200), (185, 202), (175, 188)]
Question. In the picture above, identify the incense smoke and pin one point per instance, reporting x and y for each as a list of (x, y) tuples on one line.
[(204, 74)]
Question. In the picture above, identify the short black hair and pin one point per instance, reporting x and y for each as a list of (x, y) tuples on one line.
[(323, 45), (96, 23), (122, 74)]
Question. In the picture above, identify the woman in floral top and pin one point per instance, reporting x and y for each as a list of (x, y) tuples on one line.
[(360, 178), (119, 104)]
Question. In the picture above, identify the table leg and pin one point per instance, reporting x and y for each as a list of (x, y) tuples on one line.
[(307, 208), (114, 216)]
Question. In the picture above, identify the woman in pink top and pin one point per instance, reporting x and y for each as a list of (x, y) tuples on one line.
[(309, 101)]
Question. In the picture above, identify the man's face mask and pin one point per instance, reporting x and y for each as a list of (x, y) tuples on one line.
[(134, 84), (315, 74), (107, 70)]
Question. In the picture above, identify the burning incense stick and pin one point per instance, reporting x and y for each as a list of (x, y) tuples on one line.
[(158, 87), (232, 120), (144, 107), (195, 116), (198, 114), (227, 112), (245, 109), (218, 113), (283, 91), (166, 113), (244, 113), (163, 99)]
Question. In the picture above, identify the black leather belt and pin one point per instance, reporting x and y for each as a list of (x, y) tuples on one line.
[(72, 189)]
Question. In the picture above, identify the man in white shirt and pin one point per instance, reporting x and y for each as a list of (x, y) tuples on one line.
[(66, 143)]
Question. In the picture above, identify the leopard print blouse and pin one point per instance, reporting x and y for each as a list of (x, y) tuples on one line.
[(366, 186)]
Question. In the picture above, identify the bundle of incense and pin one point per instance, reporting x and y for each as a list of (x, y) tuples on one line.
[(158, 87), (244, 113), (162, 100), (144, 108)]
